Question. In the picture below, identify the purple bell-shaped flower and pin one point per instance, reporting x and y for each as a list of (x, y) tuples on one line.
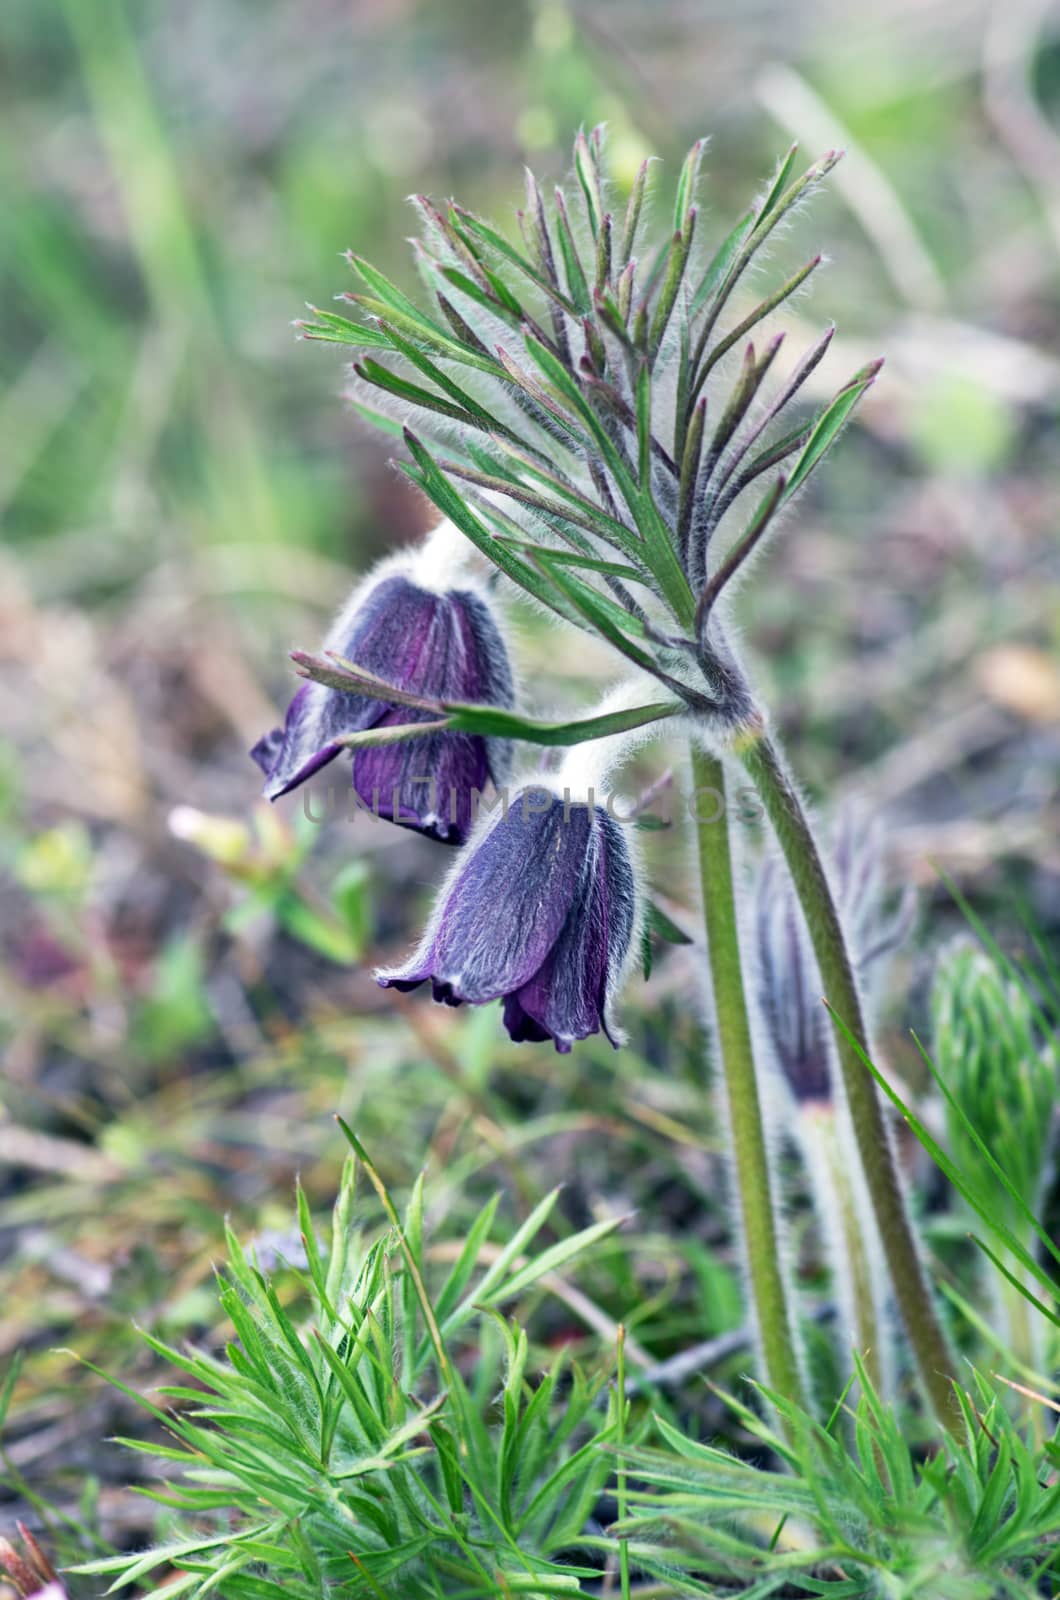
[(540, 910), (440, 643)]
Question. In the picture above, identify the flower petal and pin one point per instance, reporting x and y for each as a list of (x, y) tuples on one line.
[(428, 784), (568, 997), (401, 633), (485, 674), (506, 904), (316, 717)]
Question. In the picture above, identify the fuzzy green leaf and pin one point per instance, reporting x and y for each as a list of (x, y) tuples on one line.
[(829, 426), (329, 326), (508, 725)]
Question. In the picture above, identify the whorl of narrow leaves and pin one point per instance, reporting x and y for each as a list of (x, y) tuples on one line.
[(981, 1516), (1000, 1076), (334, 1445), (563, 402)]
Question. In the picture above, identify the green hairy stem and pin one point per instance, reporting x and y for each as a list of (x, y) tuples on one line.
[(935, 1361), (754, 1178)]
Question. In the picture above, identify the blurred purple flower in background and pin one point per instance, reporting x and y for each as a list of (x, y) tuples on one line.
[(442, 645), (789, 987), (540, 910)]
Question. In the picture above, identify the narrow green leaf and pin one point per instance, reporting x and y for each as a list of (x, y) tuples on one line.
[(510, 1252), (573, 558), (748, 541), (1017, 1283), (705, 367), (644, 427), (778, 185), (658, 550), (546, 396), (663, 927), (500, 244), (389, 293), (508, 725), (570, 508), (982, 1205), (338, 673), (421, 331), (982, 932), (599, 612), (8, 1387), (688, 487), (676, 264), (751, 377), (452, 505), (415, 394), (426, 1307), (602, 523), (487, 300), (455, 391), (466, 1262), (647, 953), (502, 292), (329, 326), (577, 283), (588, 175), (770, 457), (829, 426), (810, 361), (762, 225), (973, 1133), (378, 419), (634, 208), (686, 183)]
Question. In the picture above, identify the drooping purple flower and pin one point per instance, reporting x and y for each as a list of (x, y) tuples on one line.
[(539, 911), (442, 645)]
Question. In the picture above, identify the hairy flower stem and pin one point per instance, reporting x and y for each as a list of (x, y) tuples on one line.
[(1023, 1335), (754, 1180), (934, 1359), (838, 1208)]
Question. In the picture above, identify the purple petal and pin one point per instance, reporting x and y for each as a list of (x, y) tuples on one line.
[(503, 911), (451, 650), (428, 784), (486, 677), (315, 719), (619, 908), (567, 998), (266, 751), (523, 1028), (445, 646), (401, 633)]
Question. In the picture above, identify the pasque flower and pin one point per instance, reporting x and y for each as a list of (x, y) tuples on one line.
[(611, 424), (442, 643), (539, 911)]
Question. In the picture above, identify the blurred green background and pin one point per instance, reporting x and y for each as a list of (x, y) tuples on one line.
[(184, 497)]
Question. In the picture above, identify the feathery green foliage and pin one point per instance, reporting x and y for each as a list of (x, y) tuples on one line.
[(381, 1429), (1002, 1076), (857, 1513), (565, 403)]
